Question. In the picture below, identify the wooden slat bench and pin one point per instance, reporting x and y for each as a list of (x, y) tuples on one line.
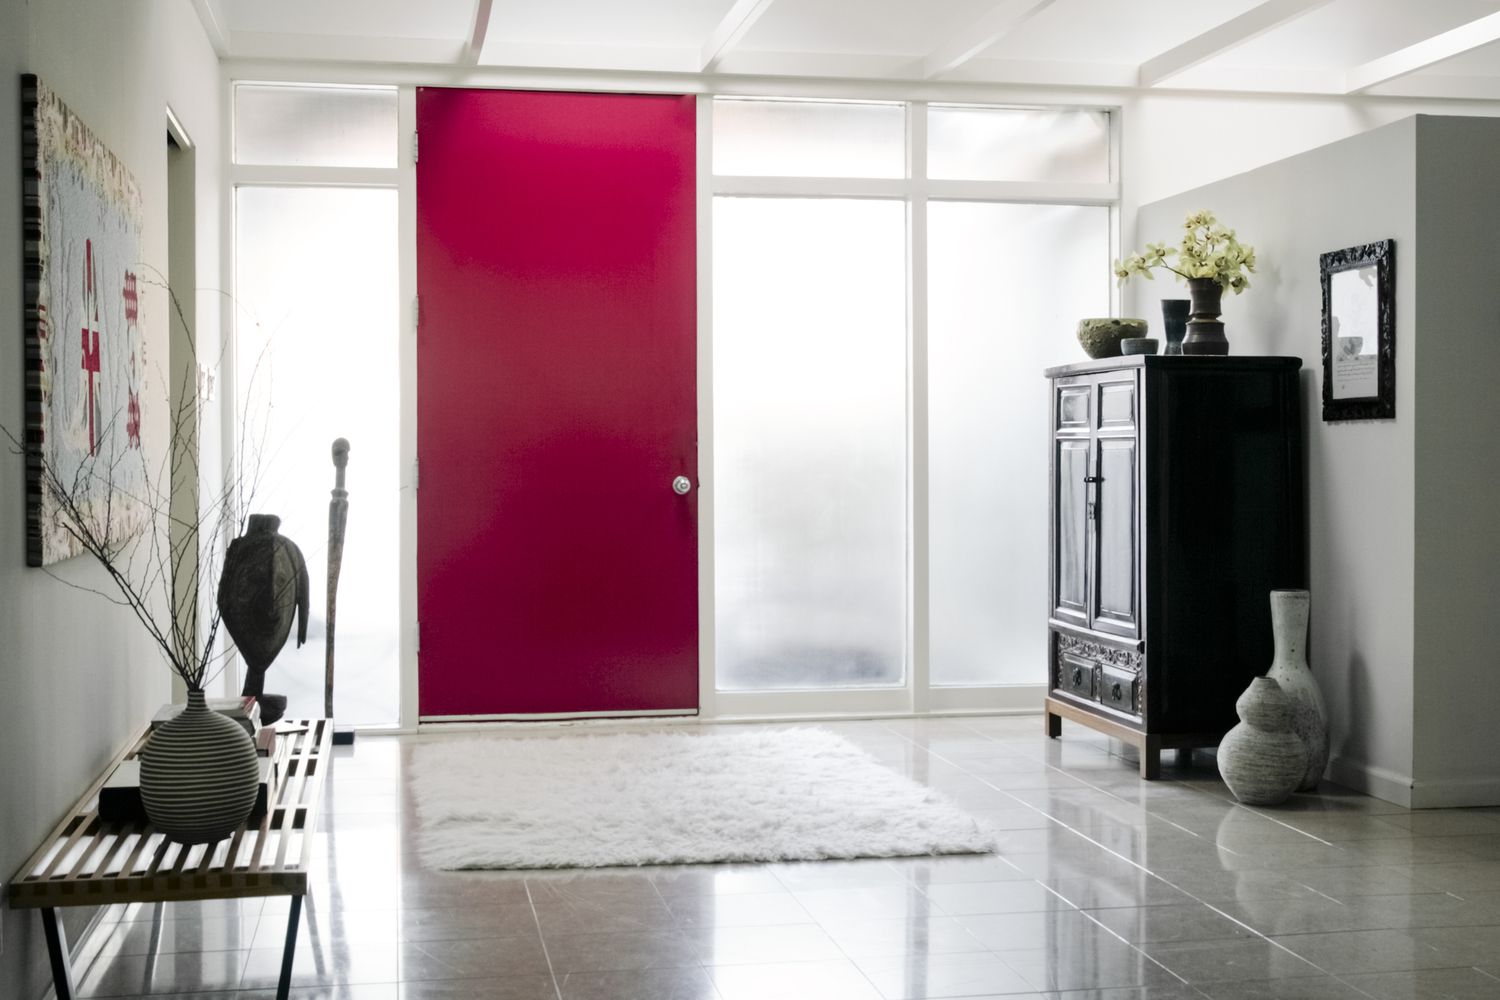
[(86, 861)]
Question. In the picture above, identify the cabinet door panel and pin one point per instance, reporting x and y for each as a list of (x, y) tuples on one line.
[(1073, 407), (1117, 406), (1070, 570), (1117, 595)]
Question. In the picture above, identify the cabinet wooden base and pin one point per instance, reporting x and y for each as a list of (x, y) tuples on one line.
[(1150, 745)]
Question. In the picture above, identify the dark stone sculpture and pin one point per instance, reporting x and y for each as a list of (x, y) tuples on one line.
[(264, 583)]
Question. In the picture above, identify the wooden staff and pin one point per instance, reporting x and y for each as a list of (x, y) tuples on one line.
[(338, 516)]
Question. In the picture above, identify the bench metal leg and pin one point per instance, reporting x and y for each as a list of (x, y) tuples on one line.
[(289, 952), (57, 950)]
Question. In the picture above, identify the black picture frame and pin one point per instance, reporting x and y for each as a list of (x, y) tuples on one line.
[(1346, 372)]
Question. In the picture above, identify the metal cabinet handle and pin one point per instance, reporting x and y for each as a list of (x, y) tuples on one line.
[(681, 485), (1115, 691), (1093, 479), (1077, 675)]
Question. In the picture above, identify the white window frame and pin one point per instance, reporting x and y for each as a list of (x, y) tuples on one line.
[(401, 178), (917, 696)]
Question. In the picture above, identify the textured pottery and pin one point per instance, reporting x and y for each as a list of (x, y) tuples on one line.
[(1289, 670), (1138, 345), (199, 775), (263, 586), (1205, 334), (1174, 317), (1101, 337), (1261, 759)]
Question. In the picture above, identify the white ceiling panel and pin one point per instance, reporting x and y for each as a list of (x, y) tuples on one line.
[(1062, 43), (449, 19), (1346, 33), (648, 24), (866, 27), (1112, 33)]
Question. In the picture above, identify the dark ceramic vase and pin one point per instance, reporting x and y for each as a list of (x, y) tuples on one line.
[(1205, 333), (1174, 316), (264, 585)]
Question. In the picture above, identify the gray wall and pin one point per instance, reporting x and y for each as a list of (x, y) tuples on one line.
[(1457, 754), (1361, 476), (79, 673)]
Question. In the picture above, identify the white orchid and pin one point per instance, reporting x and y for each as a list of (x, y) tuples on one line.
[(1208, 250)]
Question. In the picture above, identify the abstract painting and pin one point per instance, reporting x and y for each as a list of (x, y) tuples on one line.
[(84, 364)]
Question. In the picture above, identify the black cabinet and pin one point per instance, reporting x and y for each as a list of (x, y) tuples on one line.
[(1177, 504)]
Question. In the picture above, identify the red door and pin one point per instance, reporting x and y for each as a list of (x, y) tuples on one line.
[(557, 567)]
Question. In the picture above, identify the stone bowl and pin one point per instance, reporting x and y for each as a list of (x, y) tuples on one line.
[(1138, 345), (1101, 337)]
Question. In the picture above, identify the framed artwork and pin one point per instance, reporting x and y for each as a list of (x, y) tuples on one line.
[(1359, 332), (84, 369)]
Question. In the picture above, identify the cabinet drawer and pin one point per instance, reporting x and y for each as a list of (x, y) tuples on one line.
[(1119, 689), (1075, 675), (1103, 673)]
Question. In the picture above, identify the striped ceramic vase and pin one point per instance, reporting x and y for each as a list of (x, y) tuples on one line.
[(199, 775)]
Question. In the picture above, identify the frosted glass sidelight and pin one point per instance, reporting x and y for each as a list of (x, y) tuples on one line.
[(809, 138), (281, 125), (316, 324), (1015, 144), (1007, 284), (809, 357)]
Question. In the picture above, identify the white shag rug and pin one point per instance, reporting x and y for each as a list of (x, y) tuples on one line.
[(673, 798)]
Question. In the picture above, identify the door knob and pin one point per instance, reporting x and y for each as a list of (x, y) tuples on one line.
[(681, 485)]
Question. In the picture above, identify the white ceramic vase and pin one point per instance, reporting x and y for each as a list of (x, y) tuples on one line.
[(1289, 670), (1261, 759)]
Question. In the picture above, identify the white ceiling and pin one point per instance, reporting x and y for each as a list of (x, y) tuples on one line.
[(1418, 47)]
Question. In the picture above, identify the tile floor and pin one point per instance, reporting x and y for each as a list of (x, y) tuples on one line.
[(1105, 888)]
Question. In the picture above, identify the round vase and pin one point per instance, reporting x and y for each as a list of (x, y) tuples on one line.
[(199, 775), (1261, 759), (1289, 670), (1174, 317), (1205, 334)]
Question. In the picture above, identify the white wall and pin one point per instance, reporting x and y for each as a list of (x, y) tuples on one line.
[(1361, 476), (80, 674), (1456, 756)]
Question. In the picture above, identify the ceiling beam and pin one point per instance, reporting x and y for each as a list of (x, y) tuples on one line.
[(1232, 33), (480, 28), (728, 33), (214, 25), (1464, 38), (998, 22)]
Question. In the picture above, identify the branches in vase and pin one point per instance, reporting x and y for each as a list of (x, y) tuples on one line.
[(159, 571)]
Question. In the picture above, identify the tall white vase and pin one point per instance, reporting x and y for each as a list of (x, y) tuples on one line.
[(1290, 671)]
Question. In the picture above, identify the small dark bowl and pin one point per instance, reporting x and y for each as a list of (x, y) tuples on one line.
[(1138, 345)]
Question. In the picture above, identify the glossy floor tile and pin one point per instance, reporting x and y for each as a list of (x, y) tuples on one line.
[(1104, 888)]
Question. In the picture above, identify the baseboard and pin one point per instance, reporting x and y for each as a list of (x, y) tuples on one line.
[(1455, 793), (1371, 780)]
